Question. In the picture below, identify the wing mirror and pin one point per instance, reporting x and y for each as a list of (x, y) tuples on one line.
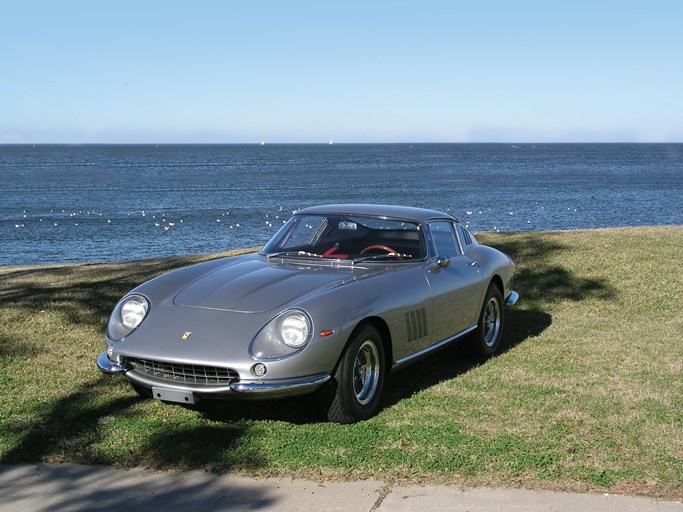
[(442, 261)]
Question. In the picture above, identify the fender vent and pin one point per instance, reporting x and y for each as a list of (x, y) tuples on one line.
[(416, 324)]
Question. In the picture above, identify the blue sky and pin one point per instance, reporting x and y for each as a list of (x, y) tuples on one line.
[(354, 71)]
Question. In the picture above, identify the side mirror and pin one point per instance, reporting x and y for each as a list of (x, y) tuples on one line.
[(443, 261)]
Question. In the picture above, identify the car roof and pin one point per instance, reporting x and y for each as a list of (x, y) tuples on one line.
[(377, 210)]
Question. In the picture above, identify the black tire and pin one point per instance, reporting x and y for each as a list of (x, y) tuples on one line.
[(359, 378), (141, 390), (489, 334)]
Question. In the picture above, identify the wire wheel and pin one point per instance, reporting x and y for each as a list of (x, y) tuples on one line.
[(359, 377), (491, 322), (366, 370), (488, 337)]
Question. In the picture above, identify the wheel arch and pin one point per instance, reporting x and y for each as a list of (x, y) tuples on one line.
[(384, 331), (498, 281)]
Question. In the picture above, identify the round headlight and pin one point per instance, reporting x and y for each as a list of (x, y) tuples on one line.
[(283, 336), (133, 311), (294, 329), (127, 316)]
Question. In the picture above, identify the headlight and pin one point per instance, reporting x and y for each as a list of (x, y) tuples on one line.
[(133, 311), (283, 336), (127, 316), (294, 329)]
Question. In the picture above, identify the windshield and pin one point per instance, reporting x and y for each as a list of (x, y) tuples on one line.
[(347, 237)]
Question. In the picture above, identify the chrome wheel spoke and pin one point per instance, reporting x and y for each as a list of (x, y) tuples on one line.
[(491, 322), (366, 372)]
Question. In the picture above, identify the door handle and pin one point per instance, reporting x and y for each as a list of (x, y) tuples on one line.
[(473, 264)]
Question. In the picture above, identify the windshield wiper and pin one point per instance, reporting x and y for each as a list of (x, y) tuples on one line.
[(293, 254), (400, 257)]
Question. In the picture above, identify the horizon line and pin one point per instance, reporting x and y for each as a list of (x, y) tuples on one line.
[(262, 143)]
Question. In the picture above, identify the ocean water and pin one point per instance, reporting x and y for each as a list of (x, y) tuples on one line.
[(71, 203)]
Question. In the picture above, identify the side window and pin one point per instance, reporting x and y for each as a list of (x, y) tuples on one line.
[(444, 238)]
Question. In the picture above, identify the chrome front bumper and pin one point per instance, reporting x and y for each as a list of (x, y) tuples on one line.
[(106, 365), (239, 389), (281, 388)]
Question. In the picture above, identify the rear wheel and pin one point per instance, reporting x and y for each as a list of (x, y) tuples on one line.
[(489, 334), (359, 378)]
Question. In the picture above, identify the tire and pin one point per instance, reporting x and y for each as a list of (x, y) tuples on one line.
[(489, 333), (359, 378), (141, 390)]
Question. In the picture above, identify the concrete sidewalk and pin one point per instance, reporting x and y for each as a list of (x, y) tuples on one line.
[(83, 488)]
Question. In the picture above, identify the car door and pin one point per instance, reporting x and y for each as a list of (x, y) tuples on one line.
[(455, 281)]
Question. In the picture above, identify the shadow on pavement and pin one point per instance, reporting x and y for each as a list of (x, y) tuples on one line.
[(72, 487)]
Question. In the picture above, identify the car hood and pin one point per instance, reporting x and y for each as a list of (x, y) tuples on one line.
[(255, 286)]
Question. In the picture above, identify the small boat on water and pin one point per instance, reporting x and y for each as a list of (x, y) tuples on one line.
[(331, 142)]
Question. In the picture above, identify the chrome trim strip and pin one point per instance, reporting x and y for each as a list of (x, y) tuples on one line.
[(106, 365), (300, 385), (433, 347), (457, 237), (512, 298), (252, 390)]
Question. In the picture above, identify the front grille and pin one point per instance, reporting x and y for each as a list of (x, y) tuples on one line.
[(185, 373)]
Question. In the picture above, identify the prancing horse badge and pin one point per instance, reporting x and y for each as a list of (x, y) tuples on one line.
[(186, 336)]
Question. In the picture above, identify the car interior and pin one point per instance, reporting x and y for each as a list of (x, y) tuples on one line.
[(340, 237)]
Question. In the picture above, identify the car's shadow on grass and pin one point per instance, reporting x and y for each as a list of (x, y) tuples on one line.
[(297, 410), (446, 364), (459, 358)]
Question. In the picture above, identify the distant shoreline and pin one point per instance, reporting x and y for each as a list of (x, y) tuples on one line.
[(318, 143)]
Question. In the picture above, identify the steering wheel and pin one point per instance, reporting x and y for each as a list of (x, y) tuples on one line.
[(382, 248)]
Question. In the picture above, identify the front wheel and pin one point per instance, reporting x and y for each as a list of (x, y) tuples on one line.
[(141, 390), (489, 333), (359, 378)]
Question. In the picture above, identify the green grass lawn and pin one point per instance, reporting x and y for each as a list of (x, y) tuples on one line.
[(587, 395)]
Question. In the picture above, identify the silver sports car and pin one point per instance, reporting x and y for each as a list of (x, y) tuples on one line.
[(339, 297)]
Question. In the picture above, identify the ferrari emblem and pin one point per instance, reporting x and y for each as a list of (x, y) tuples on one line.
[(186, 336)]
